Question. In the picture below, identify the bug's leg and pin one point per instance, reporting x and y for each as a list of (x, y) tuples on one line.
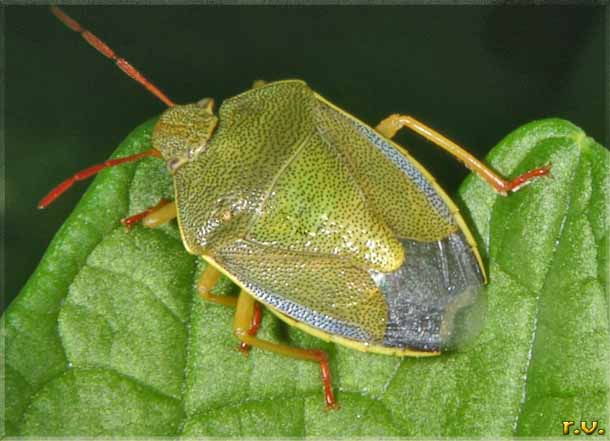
[(208, 279), (153, 217), (206, 282), (258, 83), (241, 325), (389, 126), (256, 323)]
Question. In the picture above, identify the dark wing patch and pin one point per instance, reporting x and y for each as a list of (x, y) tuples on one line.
[(435, 300)]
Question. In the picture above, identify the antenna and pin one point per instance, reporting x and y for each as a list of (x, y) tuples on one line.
[(129, 70), (108, 52), (88, 172)]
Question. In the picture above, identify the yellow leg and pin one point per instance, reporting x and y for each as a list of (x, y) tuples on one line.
[(162, 215), (153, 217), (208, 279), (389, 126), (258, 83), (241, 326)]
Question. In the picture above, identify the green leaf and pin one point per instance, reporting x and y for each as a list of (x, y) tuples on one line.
[(109, 337)]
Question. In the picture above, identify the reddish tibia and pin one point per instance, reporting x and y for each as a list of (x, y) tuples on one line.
[(526, 178), (132, 220), (256, 323), (108, 52), (88, 172), (329, 396)]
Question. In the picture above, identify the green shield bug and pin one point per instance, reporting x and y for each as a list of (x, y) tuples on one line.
[(316, 215)]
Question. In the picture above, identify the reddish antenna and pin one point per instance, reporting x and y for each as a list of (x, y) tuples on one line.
[(108, 52), (129, 70)]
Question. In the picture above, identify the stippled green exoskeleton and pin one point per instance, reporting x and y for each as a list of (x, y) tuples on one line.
[(318, 216)]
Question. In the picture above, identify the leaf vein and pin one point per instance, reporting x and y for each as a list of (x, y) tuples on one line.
[(556, 243)]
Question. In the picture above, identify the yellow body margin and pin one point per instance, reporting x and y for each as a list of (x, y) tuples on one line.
[(352, 344)]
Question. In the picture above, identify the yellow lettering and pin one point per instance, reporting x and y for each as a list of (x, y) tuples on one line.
[(566, 427), (586, 429)]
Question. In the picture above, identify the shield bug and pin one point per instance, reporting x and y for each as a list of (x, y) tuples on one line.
[(316, 215)]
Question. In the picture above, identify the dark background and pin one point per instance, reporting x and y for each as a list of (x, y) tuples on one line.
[(475, 73)]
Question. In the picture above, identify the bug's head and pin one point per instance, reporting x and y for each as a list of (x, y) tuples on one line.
[(179, 136), (183, 132)]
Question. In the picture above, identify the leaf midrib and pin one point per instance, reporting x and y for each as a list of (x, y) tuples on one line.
[(556, 243)]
